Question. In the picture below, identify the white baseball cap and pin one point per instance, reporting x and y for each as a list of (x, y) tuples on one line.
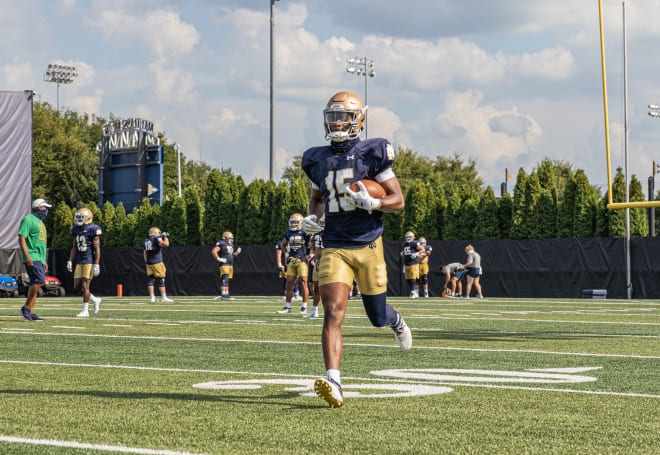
[(38, 202)]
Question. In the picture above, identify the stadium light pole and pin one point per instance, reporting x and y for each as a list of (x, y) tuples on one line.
[(654, 111), (272, 91), (362, 66), (60, 74), (178, 165)]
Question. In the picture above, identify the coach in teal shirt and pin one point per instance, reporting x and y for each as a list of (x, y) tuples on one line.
[(32, 239)]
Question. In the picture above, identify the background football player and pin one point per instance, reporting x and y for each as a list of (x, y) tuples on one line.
[(315, 254), (424, 266), (411, 251), (153, 259), (86, 252), (224, 252), (353, 246), (295, 242)]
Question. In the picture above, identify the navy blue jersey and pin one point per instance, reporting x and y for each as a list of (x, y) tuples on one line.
[(153, 249), (226, 251), (84, 238), (296, 244), (408, 249), (345, 225)]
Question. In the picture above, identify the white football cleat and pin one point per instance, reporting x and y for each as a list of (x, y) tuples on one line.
[(83, 314), (284, 310), (330, 391), (166, 299), (402, 334), (97, 303)]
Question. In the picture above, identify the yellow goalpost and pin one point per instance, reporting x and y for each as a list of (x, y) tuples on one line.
[(610, 203)]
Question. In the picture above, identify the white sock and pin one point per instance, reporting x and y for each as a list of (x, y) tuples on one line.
[(334, 375), (85, 306), (287, 305)]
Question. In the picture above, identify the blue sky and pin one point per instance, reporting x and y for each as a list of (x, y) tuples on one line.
[(506, 83)]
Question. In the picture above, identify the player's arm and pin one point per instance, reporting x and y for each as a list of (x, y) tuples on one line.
[(164, 240), (394, 200), (96, 243), (316, 206)]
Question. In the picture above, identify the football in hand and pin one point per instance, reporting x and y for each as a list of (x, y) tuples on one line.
[(373, 188)]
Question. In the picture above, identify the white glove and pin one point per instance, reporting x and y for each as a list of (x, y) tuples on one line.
[(414, 255), (69, 266), (221, 260), (280, 266), (238, 251), (311, 225), (96, 270), (362, 198)]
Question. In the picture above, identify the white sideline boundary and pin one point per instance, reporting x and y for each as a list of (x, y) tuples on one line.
[(82, 445)]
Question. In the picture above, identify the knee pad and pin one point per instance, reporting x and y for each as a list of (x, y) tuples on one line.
[(160, 282), (379, 312), (224, 280), (150, 280)]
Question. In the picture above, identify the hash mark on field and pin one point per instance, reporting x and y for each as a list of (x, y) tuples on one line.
[(116, 325), (66, 327), (161, 323)]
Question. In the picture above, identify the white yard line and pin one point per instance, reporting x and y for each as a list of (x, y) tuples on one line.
[(83, 445)]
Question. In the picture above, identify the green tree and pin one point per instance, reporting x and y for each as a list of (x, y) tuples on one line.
[(467, 218), (110, 229), (504, 214), (617, 218), (173, 218), (57, 138), (487, 223), (639, 226), (144, 220), (418, 211), (280, 211), (250, 219), (193, 215), (453, 229), (518, 209), (577, 214), (546, 214), (62, 223)]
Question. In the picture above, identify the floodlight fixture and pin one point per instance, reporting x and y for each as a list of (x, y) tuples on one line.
[(60, 74), (362, 66)]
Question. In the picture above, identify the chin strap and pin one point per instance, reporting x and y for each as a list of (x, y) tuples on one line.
[(343, 147)]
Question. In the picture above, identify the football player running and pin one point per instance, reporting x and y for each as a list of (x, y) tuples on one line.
[(353, 247), (153, 258), (224, 252), (295, 242), (86, 252)]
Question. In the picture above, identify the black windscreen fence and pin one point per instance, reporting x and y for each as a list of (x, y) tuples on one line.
[(511, 268)]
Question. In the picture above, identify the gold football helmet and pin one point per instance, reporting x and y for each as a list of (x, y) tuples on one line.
[(83, 216), (409, 236), (154, 231), (228, 237), (343, 117), (296, 222)]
